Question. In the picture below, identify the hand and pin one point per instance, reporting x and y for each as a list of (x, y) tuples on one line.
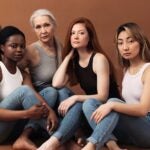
[(101, 112), (70, 55), (37, 111), (66, 104), (52, 121)]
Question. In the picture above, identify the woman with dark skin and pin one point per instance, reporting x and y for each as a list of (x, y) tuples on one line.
[(14, 92)]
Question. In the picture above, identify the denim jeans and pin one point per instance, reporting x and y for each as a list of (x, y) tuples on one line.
[(71, 121), (133, 130), (102, 131), (23, 98)]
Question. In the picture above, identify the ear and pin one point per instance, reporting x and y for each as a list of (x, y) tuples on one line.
[(2, 48)]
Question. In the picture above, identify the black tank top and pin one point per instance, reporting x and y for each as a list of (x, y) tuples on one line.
[(88, 79)]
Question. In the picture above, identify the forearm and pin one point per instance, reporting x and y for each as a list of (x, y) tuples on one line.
[(129, 109), (82, 98), (12, 115), (60, 77)]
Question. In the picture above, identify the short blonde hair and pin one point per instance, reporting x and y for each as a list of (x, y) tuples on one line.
[(42, 12)]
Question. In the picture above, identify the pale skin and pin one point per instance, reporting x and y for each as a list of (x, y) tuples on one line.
[(44, 30), (79, 39)]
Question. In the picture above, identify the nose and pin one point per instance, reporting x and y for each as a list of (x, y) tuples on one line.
[(125, 46), (20, 49), (43, 29), (76, 36)]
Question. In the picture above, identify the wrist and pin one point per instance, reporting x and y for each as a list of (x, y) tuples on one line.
[(26, 114)]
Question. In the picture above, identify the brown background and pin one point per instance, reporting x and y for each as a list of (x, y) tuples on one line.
[(106, 15)]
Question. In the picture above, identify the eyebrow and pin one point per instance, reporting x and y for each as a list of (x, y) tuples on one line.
[(126, 38)]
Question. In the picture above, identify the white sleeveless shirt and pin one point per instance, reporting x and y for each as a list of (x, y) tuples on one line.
[(9, 81), (132, 86)]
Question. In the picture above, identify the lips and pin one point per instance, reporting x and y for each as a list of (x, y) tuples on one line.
[(126, 54)]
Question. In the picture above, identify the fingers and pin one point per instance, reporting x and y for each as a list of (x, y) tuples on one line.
[(62, 109), (96, 116)]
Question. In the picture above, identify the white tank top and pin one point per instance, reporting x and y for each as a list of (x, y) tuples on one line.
[(132, 86), (9, 81)]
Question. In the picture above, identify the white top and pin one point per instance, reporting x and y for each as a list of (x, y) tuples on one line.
[(9, 81), (132, 86)]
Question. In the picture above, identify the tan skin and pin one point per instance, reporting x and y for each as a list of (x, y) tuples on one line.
[(129, 49)]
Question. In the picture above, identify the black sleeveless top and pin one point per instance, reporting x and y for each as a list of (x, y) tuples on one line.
[(88, 79)]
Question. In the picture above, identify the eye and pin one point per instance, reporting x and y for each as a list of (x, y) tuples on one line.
[(81, 33), (47, 25), (37, 27), (119, 43), (13, 45), (72, 32), (22, 46)]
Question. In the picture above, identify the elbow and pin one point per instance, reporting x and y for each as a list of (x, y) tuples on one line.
[(103, 98), (57, 84)]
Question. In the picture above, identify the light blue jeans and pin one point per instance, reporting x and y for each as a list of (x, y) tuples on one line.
[(71, 121), (22, 98), (102, 132), (133, 130)]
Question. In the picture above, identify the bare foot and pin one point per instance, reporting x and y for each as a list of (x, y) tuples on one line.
[(80, 138), (24, 143), (112, 145), (51, 144), (89, 146)]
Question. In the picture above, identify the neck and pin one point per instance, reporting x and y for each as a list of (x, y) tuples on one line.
[(50, 43), (10, 65), (83, 53)]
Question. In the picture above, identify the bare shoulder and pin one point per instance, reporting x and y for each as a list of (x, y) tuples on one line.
[(100, 58), (146, 74), (100, 63)]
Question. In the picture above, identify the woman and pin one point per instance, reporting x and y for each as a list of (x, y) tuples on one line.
[(42, 58), (134, 55), (17, 101), (84, 62)]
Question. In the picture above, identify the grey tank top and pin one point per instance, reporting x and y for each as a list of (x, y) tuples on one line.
[(42, 73)]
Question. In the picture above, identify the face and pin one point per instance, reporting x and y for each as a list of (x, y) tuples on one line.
[(79, 36), (43, 28), (128, 47), (14, 48)]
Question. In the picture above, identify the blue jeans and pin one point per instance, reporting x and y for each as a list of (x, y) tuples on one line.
[(22, 98), (71, 121), (102, 131), (133, 130)]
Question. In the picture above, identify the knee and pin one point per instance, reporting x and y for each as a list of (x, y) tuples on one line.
[(88, 104), (25, 90), (65, 90), (52, 92), (116, 100)]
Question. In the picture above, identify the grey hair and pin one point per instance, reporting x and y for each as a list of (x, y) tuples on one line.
[(42, 12)]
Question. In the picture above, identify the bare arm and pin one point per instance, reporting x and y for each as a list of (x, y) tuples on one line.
[(101, 68), (60, 78), (141, 108)]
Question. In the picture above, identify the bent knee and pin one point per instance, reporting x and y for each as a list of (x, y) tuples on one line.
[(90, 103)]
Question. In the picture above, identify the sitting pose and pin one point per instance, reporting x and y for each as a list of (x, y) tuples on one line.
[(41, 60), (134, 55), (84, 63), (17, 100)]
